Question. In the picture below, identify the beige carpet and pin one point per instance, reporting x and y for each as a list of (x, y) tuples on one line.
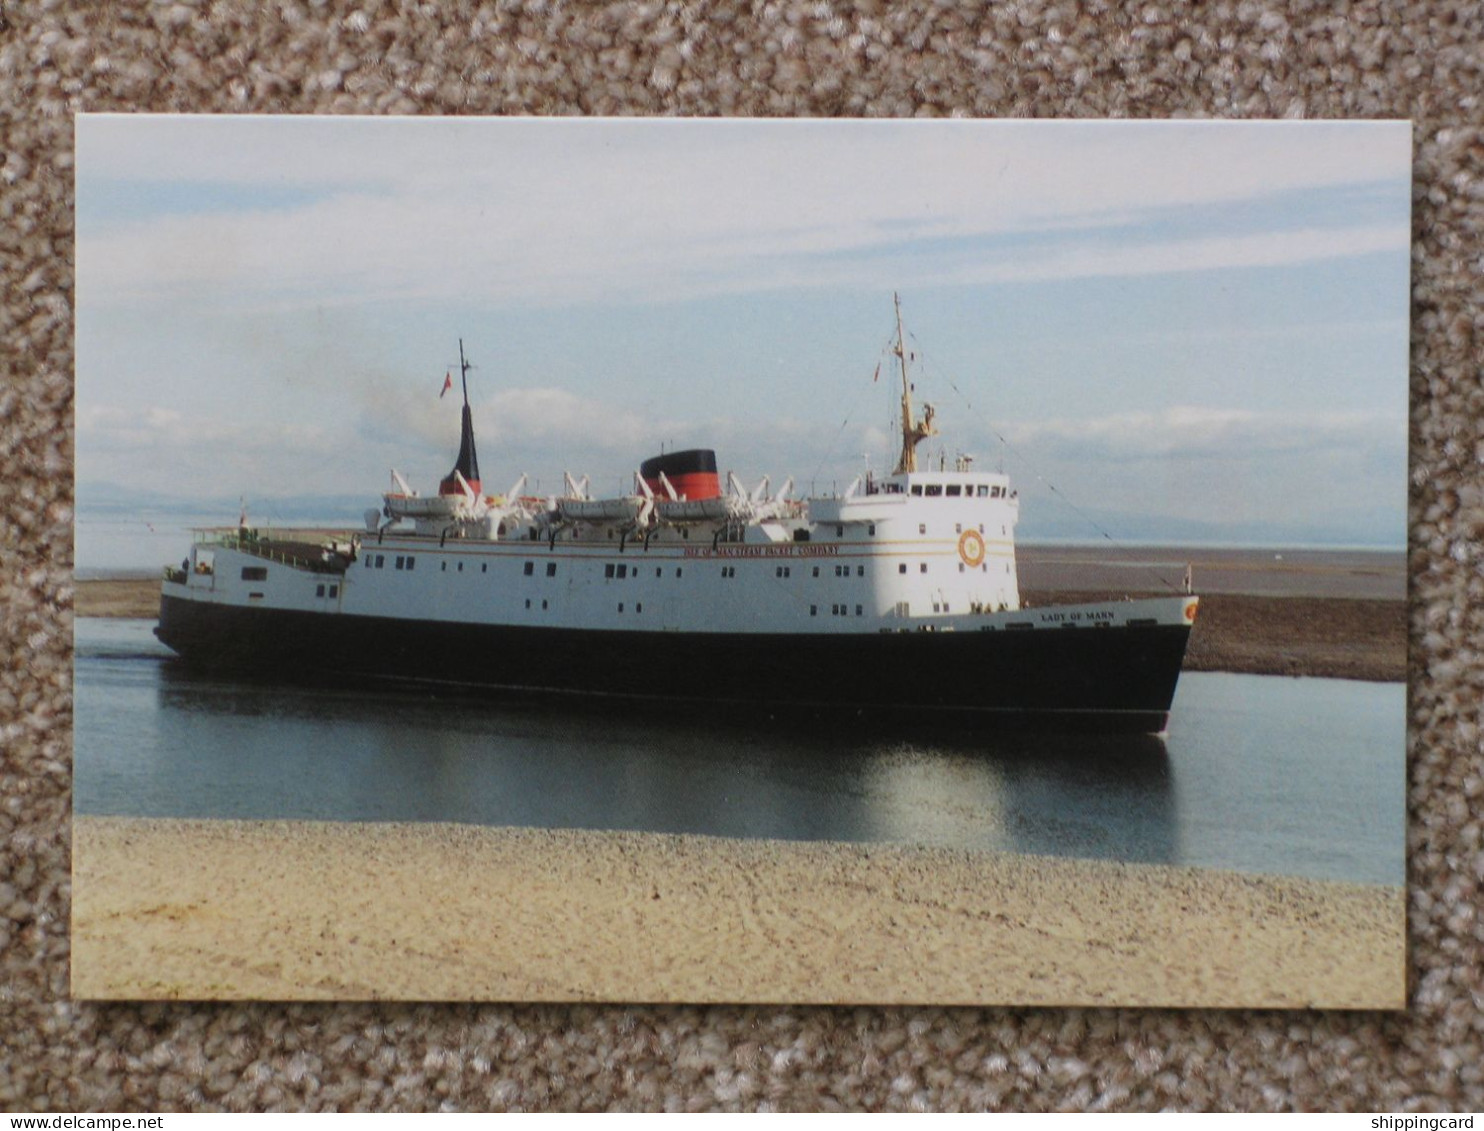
[(1422, 61)]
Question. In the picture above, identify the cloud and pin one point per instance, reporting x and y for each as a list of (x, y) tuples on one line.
[(1207, 433), (554, 213)]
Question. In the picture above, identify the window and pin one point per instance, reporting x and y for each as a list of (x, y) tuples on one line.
[(369, 559), (860, 571), (934, 490), (623, 571), (917, 488), (871, 530), (551, 569), (657, 571), (678, 571), (620, 606), (639, 607), (902, 568), (816, 571), (319, 590), (530, 568), (982, 491), (528, 602), (922, 528), (334, 591), (401, 562), (254, 573), (461, 566), (958, 528), (813, 610), (543, 604), (859, 611), (443, 566), (412, 561), (608, 570), (954, 490), (922, 568), (484, 567), (380, 561)]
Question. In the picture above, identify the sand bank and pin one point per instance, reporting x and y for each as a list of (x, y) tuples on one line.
[(303, 910)]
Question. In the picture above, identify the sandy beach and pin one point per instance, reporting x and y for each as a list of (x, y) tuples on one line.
[(306, 910)]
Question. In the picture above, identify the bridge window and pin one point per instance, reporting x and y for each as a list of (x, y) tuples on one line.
[(917, 488), (982, 491), (934, 490), (954, 490)]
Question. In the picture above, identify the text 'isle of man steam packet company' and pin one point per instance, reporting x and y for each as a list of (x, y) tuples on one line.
[(898, 596)]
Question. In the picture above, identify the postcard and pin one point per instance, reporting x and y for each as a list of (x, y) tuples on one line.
[(741, 560)]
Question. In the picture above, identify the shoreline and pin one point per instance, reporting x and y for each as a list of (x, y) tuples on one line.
[(1324, 637), (301, 910)]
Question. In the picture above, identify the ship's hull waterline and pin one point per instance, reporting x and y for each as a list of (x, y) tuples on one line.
[(1116, 678)]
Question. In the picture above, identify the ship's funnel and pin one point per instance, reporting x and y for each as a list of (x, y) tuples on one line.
[(692, 473), (468, 463)]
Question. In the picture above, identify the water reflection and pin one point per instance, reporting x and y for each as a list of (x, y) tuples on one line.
[(1299, 777), (354, 753)]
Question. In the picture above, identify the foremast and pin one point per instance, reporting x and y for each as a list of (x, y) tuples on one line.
[(914, 431)]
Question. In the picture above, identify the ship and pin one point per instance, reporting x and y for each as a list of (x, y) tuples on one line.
[(897, 596)]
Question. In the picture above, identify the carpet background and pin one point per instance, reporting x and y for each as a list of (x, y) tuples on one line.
[(1370, 58)]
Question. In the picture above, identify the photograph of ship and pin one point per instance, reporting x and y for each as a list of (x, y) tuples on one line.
[(741, 561)]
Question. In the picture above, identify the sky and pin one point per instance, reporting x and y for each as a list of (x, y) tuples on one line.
[(1188, 331)]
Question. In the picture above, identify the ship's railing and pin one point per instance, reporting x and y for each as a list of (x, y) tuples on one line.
[(177, 576), (312, 556)]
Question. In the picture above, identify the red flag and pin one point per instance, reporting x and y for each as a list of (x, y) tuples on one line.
[(447, 384)]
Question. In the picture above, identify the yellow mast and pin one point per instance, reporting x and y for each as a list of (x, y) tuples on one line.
[(914, 432)]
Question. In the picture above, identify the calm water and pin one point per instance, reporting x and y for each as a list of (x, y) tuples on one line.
[(1296, 777)]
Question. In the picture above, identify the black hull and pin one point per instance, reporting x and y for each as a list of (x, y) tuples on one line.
[(1104, 679)]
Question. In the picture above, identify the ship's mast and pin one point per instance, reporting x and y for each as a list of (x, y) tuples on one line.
[(914, 432)]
